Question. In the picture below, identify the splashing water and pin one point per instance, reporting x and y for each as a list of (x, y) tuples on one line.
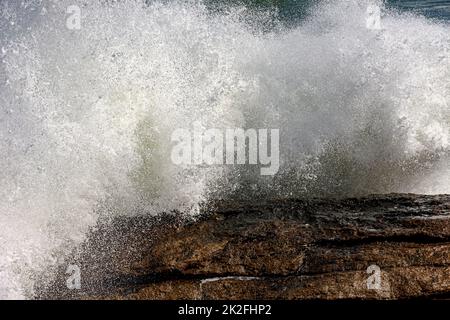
[(86, 115)]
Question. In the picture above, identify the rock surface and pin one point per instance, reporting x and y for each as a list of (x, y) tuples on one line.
[(275, 249)]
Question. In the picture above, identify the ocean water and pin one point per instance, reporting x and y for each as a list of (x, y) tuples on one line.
[(437, 9), (86, 115)]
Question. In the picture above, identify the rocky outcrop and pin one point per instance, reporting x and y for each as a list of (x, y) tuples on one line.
[(377, 247)]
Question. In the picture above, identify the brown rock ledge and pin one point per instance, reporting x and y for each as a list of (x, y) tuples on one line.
[(274, 249)]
